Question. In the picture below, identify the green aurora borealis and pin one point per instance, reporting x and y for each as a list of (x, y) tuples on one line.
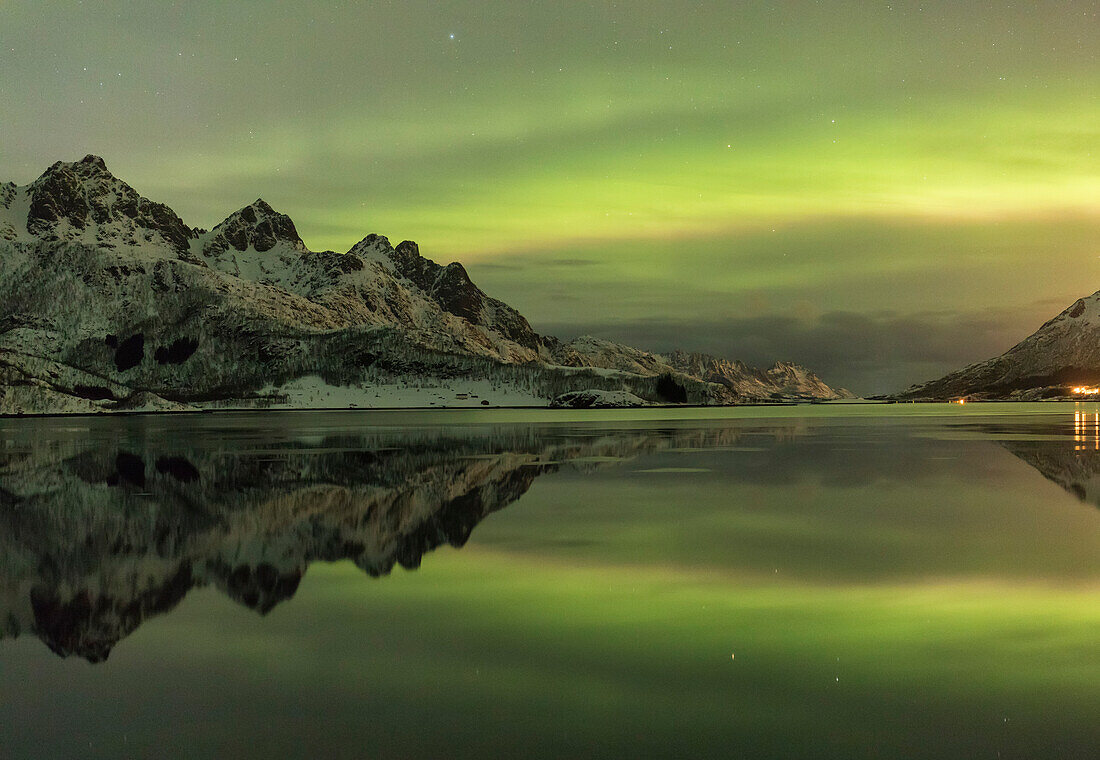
[(882, 191)]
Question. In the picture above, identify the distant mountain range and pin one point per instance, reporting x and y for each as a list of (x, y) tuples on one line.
[(110, 302), (1059, 357)]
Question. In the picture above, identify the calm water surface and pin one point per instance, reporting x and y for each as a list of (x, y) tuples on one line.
[(816, 581)]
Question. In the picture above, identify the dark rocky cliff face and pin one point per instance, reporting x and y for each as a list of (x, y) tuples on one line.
[(448, 286), (451, 287), (85, 193), (256, 225)]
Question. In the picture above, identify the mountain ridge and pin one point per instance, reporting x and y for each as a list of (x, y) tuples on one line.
[(113, 303)]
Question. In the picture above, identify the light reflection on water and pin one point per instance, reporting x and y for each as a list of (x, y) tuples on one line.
[(802, 581)]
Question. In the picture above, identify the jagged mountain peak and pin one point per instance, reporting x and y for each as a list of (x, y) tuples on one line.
[(788, 368), (93, 160), (254, 212), (81, 201), (449, 285), (408, 249), (91, 166), (257, 226), (374, 247), (1082, 311), (406, 255)]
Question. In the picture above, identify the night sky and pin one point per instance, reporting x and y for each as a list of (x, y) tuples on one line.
[(881, 191)]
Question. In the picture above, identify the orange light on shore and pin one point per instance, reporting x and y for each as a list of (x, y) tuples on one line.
[(1084, 390)]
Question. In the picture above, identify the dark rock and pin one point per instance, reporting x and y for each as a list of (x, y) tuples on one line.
[(349, 263), (94, 392), (452, 289), (130, 352), (57, 195), (179, 468), (177, 352), (130, 468), (262, 587), (671, 391), (7, 194), (89, 626)]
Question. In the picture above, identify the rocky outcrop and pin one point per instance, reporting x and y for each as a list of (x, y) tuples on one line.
[(596, 400), (255, 226), (450, 287)]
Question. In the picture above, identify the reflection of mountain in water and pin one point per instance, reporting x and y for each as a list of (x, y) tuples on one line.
[(94, 539), (1072, 466)]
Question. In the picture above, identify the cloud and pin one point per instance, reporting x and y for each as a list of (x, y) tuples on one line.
[(867, 353)]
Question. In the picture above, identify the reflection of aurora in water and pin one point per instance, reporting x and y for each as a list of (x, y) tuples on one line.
[(889, 587), (156, 515), (106, 534)]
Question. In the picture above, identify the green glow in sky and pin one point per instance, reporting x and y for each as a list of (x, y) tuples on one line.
[(728, 177)]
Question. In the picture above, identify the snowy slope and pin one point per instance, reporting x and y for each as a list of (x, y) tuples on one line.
[(1063, 353)]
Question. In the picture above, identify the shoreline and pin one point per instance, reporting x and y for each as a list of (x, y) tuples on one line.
[(251, 410)]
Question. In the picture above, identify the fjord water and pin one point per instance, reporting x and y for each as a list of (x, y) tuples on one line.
[(812, 581)]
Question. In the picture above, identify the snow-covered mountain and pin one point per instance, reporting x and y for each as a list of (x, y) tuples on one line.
[(110, 302), (783, 378), (1062, 354)]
